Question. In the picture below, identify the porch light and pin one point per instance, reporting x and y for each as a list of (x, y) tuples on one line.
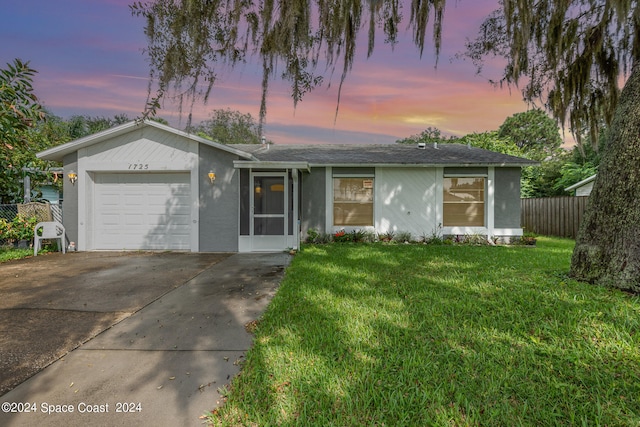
[(73, 177), (212, 176)]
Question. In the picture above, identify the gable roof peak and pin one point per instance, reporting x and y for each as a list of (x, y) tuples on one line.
[(57, 153)]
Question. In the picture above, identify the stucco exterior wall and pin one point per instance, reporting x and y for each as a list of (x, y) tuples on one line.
[(70, 199), (409, 199), (507, 198), (313, 205), (405, 201), (218, 202), (245, 202), (149, 146)]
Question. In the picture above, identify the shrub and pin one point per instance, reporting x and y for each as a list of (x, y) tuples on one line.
[(387, 237), (431, 239), (312, 236), (369, 236), (403, 237), (469, 239), (324, 238), (527, 239), (435, 238), (343, 237), (20, 228), (475, 239)]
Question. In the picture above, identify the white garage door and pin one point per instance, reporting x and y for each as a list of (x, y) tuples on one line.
[(142, 211)]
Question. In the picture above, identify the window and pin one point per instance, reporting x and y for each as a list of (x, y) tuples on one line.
[(353, 201), (463, 201)]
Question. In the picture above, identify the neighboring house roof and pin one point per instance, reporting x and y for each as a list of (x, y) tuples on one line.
[(58, 153), (383, 154), (581, 183)]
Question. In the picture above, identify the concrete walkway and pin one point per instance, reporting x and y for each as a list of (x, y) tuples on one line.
[(161, 366)]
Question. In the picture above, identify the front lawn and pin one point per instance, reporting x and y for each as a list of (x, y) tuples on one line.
[(405, 335)]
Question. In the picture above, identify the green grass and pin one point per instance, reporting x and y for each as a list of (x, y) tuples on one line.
[(440, 335), (9, 254)]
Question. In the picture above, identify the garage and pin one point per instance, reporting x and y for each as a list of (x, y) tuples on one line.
[(143, 185), (139, 211)]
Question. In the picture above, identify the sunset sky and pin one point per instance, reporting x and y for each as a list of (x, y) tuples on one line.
[(90, 62)]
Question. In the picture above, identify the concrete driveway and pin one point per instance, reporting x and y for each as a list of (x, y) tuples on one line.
[(155, 334)]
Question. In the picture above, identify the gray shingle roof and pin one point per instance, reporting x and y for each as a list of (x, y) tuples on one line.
[(381, 154)]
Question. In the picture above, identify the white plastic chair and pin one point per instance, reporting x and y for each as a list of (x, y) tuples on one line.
[(50, 231)]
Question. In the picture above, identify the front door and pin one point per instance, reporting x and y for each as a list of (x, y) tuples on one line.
[(269, 217)]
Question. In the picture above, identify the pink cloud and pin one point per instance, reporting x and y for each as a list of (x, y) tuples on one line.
[(90, 68)]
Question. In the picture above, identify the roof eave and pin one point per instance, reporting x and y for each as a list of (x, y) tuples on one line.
[(581, 183), (258, 164), (421, 165)]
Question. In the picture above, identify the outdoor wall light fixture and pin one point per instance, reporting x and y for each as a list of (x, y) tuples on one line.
[(73, 177), (212, 176)]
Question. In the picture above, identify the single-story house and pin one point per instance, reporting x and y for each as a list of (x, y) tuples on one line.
[(582, 188), (147, 186)]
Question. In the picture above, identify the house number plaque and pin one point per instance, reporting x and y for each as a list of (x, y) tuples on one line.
[(138, 166)]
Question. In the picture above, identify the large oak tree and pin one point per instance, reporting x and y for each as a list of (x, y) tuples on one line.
[(570, 54), (573, 56)]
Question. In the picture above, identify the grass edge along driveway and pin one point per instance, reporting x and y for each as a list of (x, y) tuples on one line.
[(440, 335)]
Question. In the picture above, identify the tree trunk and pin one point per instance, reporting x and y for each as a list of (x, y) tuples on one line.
[(607, 249)]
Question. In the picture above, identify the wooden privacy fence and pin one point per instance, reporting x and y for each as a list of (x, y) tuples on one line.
[(553, 216)]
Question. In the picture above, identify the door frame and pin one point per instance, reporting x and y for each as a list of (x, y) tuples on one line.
[(268, 242)]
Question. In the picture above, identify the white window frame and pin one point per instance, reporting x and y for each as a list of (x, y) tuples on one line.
[(483, 202), (488, 228), (329, 220)]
